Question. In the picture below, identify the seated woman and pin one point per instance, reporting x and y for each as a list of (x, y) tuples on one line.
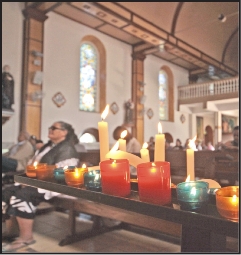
[(21, 201)]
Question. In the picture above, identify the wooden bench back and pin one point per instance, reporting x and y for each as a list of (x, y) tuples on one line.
[(207, 165)]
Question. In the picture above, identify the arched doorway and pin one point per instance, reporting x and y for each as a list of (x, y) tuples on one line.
[(168, 137), (208, 135)]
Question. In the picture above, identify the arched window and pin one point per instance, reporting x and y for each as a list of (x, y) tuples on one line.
[(165, 95), (92, 75), (88, 78)]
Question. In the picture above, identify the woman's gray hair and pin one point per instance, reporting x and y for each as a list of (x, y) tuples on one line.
[(71, 136)]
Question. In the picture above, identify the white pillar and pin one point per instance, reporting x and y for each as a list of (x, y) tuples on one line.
[(218, 127), (192, 125)]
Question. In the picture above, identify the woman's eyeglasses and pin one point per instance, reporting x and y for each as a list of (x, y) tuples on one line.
[(53, 128)]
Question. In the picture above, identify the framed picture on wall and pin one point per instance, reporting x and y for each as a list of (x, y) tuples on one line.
[(228, 123)]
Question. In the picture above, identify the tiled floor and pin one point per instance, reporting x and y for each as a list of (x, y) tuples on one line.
[(51, 227)]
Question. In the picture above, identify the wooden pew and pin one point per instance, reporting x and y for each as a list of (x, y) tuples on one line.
[(208, 164)]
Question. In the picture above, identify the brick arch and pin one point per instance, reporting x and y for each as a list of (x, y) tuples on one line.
[(170, 92), (102, 67)]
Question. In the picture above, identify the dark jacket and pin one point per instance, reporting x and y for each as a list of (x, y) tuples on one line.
[(61, 151)]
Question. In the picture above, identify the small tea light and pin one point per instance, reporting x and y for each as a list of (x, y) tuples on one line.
[(92, 180), (192, 195), (31, 170), (75, 177), (227, 202), (59, 174), (45, 173)]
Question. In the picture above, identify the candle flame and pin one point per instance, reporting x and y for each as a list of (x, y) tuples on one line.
[(234, 199), (97, 177), (188, 178), (159, 128), (65, 167), (76, 172), (153, 169), (123, 134), (145, 145), (35, 163), (84, 166), (115, 147), (193, 191), (105, 112), (114, 162), (191, 143)]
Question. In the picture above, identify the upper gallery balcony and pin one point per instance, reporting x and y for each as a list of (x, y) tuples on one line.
[(211, 96)]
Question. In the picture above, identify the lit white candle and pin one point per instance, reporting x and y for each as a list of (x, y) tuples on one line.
[(145, 153), (190, 159), (117, 154), (122, 142), (159, 145), (103, 134)]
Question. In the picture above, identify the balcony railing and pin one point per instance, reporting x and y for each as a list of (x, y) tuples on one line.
[(215, 88)]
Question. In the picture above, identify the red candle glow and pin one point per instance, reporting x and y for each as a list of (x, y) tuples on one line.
[(154, 183), (115, 177)]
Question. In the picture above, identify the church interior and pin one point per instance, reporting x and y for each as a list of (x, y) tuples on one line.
[(174, 63)]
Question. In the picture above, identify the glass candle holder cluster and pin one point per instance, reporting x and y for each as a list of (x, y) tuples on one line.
[(192, 195), (227, 202), (115, 177), (154, 182)]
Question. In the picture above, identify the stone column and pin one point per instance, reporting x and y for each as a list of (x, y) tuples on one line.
[(218, 127), (31, 107), (137, 93)]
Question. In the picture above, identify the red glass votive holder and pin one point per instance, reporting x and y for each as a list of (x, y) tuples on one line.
[(75, 177), (154, 183), (227, 202), (31, 170), (115, 177), (45, 173)]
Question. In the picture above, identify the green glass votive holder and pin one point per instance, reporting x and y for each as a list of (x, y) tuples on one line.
[(59, 174), (193, 195), (92, 180)]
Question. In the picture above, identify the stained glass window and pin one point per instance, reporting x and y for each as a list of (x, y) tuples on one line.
[(88, 78), (163, 95)]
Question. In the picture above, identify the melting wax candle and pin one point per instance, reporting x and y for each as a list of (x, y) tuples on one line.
[(190, 159), (192, 195), (103, 134), (145, 153), (159, 153), (154, 183), (31, 170), (122, 141), (227, 202), (45, 173), (75, 177), (115, 177), (114, 154)]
